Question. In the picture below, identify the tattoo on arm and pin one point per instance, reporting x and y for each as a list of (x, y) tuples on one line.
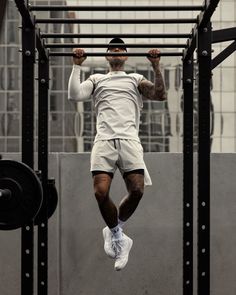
[(154, 91)]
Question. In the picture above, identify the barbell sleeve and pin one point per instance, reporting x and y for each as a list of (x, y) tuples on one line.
[(5, 194)]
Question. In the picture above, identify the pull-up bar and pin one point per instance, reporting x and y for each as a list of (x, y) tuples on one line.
[(115, 54), (71, 35), (127, 45), (115, 8), (115, 21)]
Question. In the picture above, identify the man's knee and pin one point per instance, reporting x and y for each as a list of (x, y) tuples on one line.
[(135, 185), (101, 194), (102, 184)]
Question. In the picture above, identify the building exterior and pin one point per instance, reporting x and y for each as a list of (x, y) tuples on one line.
[(72, 126)]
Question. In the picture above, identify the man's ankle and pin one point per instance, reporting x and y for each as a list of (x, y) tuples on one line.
[(116, 232), (121, 223)]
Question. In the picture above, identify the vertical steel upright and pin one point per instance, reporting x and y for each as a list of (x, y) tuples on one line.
[(204, 62), (28, 60), (43, 85), (188, 177)]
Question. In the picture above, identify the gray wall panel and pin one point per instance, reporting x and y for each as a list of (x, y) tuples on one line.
[(77, 262), (155, 260), (223, 224)]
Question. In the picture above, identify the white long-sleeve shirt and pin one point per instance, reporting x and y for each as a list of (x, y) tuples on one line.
[(117, 101)]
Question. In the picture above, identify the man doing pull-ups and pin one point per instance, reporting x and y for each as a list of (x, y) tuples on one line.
[(118, 99)]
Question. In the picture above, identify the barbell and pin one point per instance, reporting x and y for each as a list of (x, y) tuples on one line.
[(21, 195)]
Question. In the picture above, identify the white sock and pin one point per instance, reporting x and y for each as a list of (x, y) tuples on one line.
[(116, 232), (121, 223)]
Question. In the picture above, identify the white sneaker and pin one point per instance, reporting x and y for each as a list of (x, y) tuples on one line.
[(109, 245), (123, 247)]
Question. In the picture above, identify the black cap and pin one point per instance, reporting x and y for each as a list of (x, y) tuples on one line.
[(116, 41)]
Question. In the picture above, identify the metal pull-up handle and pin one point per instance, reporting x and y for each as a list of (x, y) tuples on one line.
[(127, 45), (115, 8), (115, 53), (82, 35), (116, 21)]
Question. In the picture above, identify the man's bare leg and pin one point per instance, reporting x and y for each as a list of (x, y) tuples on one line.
[(135, 186), (112, 233), (102, 183)]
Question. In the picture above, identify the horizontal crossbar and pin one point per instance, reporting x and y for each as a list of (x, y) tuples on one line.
[(115, 54), (85, 45), (224, 35), (71, 35), (114, 8), (115, 21)]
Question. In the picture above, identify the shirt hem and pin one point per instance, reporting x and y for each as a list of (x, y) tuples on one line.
[(117, 137)]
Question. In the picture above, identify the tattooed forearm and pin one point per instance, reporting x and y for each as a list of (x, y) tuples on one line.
[(160, 91), (156, 90)]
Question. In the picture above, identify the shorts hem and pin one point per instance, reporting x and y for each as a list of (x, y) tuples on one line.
[(96, 172), (139, 167), (97, 168)]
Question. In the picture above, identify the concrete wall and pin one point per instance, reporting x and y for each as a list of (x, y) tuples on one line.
[(77, 262)]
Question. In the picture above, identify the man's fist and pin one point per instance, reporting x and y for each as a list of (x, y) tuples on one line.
[(79, 57), (154, 56)]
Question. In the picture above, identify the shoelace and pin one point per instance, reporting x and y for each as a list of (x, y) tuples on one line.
[(116, 246), (113, 246)]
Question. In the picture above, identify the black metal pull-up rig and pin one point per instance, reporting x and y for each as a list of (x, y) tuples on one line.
[(200, 38)]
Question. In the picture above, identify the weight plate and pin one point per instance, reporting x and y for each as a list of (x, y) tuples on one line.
[(52, 198), (26, 194)]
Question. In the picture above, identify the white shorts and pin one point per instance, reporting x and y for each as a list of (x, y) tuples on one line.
[(125, 154)]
